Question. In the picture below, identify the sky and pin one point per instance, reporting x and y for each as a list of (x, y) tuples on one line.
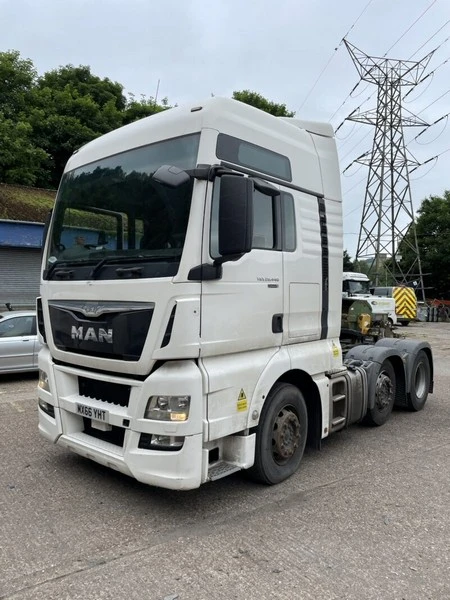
[(290, 51)]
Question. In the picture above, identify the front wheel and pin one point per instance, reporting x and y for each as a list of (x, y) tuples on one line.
[(385, 387), (281, 435), (420, 382)]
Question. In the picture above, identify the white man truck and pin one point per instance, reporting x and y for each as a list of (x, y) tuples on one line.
[(197, 333)]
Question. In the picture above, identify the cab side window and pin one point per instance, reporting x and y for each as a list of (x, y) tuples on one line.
[(264, 221), (288, 219)]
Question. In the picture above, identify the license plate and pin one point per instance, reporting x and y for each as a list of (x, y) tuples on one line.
[(96, 414)]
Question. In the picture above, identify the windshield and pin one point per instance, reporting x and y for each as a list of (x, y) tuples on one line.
[(113, 212), (356, 287)]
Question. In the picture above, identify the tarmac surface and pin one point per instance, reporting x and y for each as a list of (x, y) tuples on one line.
[(367, 517)]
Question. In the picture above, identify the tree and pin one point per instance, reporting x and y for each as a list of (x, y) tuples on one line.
[(81, 82), (347, 262), (136, 110), (17, 79), (71, 107), (20, 160), (258, 101), (433, 238)]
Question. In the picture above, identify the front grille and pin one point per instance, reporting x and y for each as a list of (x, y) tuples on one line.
[(103, 329), (105, 391), (114, 436)]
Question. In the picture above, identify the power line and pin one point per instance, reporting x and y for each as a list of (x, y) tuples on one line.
[(411, 26), (434, 102), (355, 209), (436, 157), (429, 126), (333, 55), (430, 38), (356, 145)]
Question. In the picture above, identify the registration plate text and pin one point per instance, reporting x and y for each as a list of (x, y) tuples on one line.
[(98, 414)]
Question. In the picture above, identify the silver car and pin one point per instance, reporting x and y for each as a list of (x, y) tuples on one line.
[(19, 342)]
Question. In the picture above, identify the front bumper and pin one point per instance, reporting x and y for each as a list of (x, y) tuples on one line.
[(179, 469)]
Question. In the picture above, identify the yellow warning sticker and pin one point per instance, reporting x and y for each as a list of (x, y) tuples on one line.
[(242, 401), (335, 350)]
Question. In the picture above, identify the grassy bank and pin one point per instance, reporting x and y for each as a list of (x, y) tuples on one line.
[(18, 203)]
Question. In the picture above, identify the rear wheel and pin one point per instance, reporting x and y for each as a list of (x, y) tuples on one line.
[(420, 382), (384, 396), (281, 435)]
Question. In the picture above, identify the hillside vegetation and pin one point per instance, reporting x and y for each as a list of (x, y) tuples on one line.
[(19, 203)]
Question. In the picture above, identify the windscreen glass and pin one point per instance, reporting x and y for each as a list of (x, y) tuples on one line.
[(113, 211), (358, 287)]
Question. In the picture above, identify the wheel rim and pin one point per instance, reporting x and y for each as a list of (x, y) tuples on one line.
[(285, 435), (384, 391), (420, 382)]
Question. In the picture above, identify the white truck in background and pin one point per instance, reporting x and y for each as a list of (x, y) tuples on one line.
[(357, 285), (197, 333)]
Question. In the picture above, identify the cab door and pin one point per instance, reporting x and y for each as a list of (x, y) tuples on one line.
[(241, 317), (243, 309)]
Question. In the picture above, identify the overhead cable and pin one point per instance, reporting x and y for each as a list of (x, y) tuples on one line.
[(434, 102), (411, 26), (430, 38), (333, 55)]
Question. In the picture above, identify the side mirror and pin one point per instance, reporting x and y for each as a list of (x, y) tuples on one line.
[(235, 216)]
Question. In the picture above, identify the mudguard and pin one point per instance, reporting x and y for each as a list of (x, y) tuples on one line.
[(402, 353), (370, 358), (408, 350)]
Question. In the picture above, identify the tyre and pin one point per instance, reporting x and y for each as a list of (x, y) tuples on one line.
[(404, 323), (385, 387), (420, 382), (281, 435)]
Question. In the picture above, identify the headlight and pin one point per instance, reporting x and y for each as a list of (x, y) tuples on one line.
[(43, 381), (168, 408)]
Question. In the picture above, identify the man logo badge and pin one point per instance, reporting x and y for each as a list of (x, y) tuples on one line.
[(90, 335)]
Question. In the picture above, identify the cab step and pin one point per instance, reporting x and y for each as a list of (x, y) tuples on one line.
[(221, 469), (337, 423)]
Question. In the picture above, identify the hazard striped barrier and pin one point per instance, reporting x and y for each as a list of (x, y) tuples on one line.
[(405, 302)]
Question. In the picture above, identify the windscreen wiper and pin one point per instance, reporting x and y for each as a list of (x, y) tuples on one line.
[(130, 260), (56, 266)]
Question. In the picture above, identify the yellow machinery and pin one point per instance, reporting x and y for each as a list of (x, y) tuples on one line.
[(359, 324)]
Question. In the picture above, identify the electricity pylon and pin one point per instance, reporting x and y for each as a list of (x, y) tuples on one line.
[(388, 213)]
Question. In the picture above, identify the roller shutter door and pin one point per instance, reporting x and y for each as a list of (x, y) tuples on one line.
[(19, 277)]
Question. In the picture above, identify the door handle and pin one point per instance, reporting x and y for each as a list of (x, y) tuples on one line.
[(277, 324)]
